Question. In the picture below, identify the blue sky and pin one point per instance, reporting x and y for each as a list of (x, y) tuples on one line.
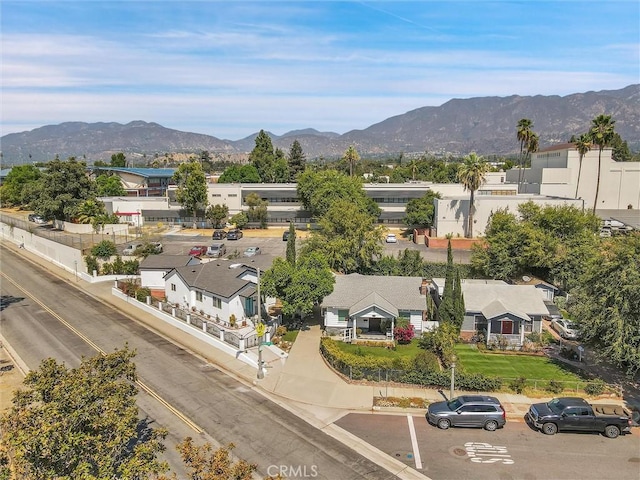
[(231, 68)]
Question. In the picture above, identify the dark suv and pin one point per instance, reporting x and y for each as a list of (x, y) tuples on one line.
[(219, 235), (234, 234), (468, 411)]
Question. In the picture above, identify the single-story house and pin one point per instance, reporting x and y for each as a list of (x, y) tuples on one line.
[(373, 303), (499, 310), (217, 289), (154, 268), (548, 291)]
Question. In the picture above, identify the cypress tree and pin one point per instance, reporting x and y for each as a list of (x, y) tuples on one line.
[(291, 245), (458, 301), (446, 310)]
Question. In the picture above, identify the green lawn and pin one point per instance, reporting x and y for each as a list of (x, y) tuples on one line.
[(511, 366), (409, 350)]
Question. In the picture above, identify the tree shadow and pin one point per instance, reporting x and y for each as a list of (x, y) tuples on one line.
[(6, 300)]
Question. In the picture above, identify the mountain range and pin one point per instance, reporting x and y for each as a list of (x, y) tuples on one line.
[(486, 125)]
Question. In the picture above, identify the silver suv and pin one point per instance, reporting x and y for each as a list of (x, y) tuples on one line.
[(468, 411), (216, 250)]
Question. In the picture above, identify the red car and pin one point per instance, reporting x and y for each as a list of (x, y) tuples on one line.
[(198, 251)]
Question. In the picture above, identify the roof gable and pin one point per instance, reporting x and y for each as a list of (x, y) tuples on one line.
[(216, 278)]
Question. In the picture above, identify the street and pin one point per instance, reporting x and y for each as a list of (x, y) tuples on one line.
[(514, 452), (39, 323)]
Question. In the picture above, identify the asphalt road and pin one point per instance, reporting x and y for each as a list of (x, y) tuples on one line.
[(46, 318), (513, 452)]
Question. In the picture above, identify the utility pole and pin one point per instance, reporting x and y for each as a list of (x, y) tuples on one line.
[(260, 331)]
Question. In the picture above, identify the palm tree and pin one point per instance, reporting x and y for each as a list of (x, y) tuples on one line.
[(88, 210), (472, 175), (351, 157), (583, 145), (413, 165), (601, 133), (523, 133)]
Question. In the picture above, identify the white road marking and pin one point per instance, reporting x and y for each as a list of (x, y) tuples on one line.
[(414, 442), (497, 453)]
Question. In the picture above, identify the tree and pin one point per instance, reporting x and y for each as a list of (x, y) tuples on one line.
[(257, 211), (446, 309), (601, 133), (296, 161), (262, 157), (620, 148), (240, 174), (349, 237), (458, 301), (88, 210), (352, 157), (419, 211), (81, 423), (192, 187), (301, 286), (19, 178), (318, 190), (523, 134), (583, 146), (291, 244), (118, 160), (217, 214), (62, 187), (472, 175), (109, 186), (607, 301), (240, 219)]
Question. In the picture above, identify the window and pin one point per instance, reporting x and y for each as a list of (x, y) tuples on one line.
[(480, 323), (217, 302), (343, 315), (173, 287), (528, 327), (198, 296)]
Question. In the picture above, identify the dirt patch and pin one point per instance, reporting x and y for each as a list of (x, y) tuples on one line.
[(10, 379)]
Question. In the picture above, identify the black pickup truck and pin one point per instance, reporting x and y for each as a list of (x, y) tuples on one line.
[(575, 414)]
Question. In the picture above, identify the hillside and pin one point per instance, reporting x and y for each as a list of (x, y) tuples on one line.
[(485, 125)]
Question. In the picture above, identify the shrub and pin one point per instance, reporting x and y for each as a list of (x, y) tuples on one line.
[(130, 267), (426, 362), (142, 294), (104, 249), (404, 335), (518, 384), (281, 330), (92, 264), (555, 386), (594, 388)]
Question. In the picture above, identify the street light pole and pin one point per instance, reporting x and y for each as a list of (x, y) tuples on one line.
[(260, 330), (453, 376)]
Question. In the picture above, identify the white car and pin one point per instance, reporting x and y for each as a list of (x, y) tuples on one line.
[(252, 251), (391, 238), (131, 249), (566, 329)]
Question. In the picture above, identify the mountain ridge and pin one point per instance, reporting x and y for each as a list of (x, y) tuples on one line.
[(486, 125)]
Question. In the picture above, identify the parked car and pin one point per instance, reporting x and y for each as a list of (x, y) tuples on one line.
[(219, 234), (285, 235), (198, 251), (391, 238), (216, 250), (157, 247), (36, 219), (575, 414), (130, 250), (565, 328), (234, 234), (251, 251), (468, 411)]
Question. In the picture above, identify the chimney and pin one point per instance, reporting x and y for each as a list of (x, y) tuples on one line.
[(424, 287)]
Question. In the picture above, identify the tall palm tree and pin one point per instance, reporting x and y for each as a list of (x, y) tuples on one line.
[(351, 156), (601, 132), (523, 134), (413, 165), (583, 146), (472, 174)]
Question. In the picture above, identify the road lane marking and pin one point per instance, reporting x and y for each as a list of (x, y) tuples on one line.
[(143, 386), (477, 450), (414, 442)]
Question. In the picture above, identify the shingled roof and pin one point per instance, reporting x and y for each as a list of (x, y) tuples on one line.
[(216, 278), (350, 291), (165, 262)]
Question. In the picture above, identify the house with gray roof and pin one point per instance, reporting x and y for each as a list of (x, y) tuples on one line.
[(499, 310), (154, 268), (217, 289), (373, 303)]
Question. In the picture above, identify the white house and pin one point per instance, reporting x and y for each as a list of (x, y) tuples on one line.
[(497, 309), (154, 268), (217, 289), (372, 303)]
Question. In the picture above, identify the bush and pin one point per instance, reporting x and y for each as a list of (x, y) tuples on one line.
[(404, 335), (518, 384), (426, 362), (142, 294), (554, 386), (104, 249), (92, 264), (595, 388), (130, 267)]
